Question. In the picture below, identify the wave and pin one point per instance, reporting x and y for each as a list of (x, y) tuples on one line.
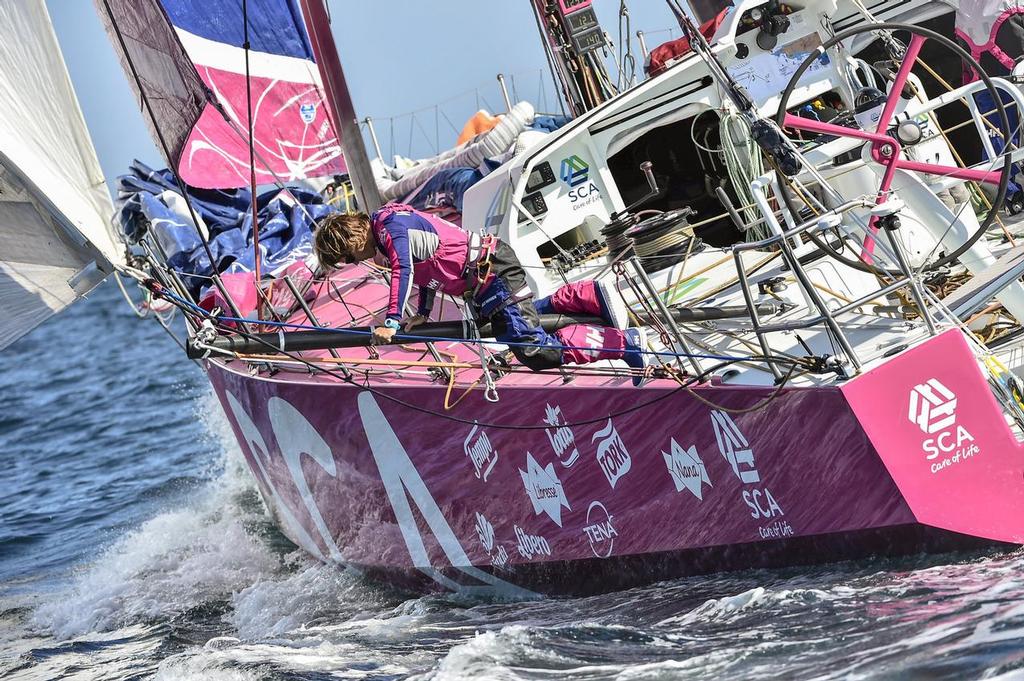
[(179, 560)]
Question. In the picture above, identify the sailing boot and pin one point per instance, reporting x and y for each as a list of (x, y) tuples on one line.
[(636, 354), (583, 344)]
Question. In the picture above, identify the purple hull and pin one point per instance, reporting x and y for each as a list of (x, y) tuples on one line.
[(674, 487)]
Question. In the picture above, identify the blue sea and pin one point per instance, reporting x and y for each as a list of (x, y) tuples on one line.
[(134, 545)]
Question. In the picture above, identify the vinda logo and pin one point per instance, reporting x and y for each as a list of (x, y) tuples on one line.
[(574, 171), (933, 410)]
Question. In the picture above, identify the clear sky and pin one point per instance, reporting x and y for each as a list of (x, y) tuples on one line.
[(399, 56)]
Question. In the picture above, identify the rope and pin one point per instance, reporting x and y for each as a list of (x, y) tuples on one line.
[(744, 164)]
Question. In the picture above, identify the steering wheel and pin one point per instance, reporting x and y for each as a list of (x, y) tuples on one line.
[(885, 148)]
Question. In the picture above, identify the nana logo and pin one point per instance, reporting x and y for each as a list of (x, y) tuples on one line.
[(737, 451), (481, 452), (599, 530), (933, 410), (612, 456), (687, 470), (307, 112), (544, 489), (561, 436), (574, 171)]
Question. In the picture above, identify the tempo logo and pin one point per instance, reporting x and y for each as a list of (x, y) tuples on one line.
[(932, 406), (574, 171)]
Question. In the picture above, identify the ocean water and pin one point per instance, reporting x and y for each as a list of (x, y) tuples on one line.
[(133, 545)]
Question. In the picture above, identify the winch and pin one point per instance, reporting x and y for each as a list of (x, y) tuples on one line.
[(661, 241)]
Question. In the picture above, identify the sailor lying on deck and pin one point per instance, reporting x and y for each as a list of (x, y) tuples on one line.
[(438, 256)]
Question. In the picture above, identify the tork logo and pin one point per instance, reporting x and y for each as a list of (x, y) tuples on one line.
[(933, 410), (574, 171), (932, 406)]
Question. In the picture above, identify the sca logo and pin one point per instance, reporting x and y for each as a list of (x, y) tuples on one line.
[(933, 410), (574, 171), (735, 448)]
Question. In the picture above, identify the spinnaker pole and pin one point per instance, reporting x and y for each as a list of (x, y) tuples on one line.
[(318, 26)]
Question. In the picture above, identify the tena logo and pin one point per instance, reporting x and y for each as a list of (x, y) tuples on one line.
[(612, 456), (932, 406), (574, 171), (562, 439), (933, 410), (481, 452), (599, 530), (307, 112), (544, 489), (687, 469)]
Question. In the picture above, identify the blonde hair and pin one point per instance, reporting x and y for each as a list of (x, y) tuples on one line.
[(340, 235)]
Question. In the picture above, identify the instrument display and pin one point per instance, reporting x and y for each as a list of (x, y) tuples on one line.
[(581, 21), (535, 204), (541, 176), (570, 6), (589, 40)]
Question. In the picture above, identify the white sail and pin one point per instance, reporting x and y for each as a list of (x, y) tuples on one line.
[(56, 242)]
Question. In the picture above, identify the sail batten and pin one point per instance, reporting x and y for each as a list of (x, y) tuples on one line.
[(189, 54)]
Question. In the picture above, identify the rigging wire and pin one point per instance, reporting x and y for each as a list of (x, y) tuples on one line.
[(252, 159), (505, 426)]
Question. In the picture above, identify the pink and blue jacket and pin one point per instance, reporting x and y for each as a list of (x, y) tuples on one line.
[(421, 249)]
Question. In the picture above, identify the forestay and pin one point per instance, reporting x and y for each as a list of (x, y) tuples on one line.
[(56, 239)]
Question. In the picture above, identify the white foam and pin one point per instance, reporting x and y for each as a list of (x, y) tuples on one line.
[(272, 607), (207, 668), (175, 561)]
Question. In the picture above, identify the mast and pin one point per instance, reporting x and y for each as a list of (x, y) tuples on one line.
[(572, 35), (318, 25)]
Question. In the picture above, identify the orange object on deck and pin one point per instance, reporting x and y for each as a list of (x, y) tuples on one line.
[(479, 122)]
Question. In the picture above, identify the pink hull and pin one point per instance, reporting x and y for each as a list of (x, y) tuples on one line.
[(912, 455)]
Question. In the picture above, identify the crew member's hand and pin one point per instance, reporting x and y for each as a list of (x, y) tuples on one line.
[(382, 335), (415, 321)]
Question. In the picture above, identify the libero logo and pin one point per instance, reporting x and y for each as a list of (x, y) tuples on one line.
[(575, 172), (933, 410)]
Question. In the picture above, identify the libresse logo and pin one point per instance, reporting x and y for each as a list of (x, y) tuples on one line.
[(932, 408), (574, 171)]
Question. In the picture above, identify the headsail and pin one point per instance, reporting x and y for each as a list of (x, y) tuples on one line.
[(188, 55), (56, 242)]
